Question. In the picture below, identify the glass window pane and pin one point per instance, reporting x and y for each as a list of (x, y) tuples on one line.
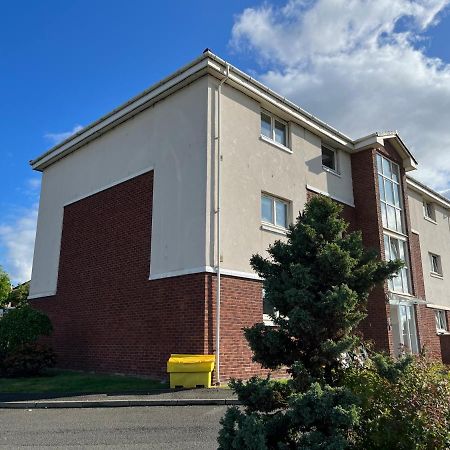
[(379, 164), (387, 168), (389, 186), (395, 250), (384, 215), (412, 330), (280, 133), (395, 175), (328, 158), (401, 246), (381, 186), (399, 220), (390, 217), (394, 315), (266, 209), (387, 250), (281, 213), (266, 125), (396, 195)]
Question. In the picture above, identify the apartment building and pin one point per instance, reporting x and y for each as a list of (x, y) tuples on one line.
[(148, 218)]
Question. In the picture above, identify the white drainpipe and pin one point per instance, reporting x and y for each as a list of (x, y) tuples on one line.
[(218, 211)]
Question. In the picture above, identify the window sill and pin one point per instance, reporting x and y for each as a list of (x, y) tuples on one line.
[(437, 275), (429, 219), (333, 172), (274, 229), (268, 322), (442, 332), (275, 144)]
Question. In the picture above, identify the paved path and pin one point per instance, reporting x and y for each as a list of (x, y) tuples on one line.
[(187, 397), (181, 427)]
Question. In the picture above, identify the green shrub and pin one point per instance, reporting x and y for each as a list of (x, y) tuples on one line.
[(22, 326), (28, 360), (405, 404), (318, 282), (19, 354)]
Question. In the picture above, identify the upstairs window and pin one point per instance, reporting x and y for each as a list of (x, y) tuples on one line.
[(329, 158), (441, 321), (429, 211), (436, 265), (390, 194), (274, 129), (274, 211)]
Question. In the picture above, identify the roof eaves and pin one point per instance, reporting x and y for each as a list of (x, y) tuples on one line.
[(421, 187)]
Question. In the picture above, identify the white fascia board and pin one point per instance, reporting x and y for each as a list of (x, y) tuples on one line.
[(427, 192), (261, 93), (370, 141), (142, 101)]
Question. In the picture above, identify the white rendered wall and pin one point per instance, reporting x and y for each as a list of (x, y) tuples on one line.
[(169, 137), (434, 238), (251, 166)]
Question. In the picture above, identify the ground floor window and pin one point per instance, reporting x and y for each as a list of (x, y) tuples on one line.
[(441, 321), (404, 330)]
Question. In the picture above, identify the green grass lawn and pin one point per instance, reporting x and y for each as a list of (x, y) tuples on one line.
[(67, 381)]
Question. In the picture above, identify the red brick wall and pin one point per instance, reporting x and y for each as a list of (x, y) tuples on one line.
[(107, 315), (368, 219), (426, 327), (241, 307), (416, 265)]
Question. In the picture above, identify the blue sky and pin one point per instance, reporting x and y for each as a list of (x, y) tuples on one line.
[(64, 64)]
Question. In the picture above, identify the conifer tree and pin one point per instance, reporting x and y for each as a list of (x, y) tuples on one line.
[(318, 282)]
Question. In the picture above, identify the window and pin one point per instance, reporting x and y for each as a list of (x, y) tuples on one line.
[(404, 332), (274, 211), (274, 129), (441, 321), (268, 310), (428, 211), (396, 249), (390, 194), (435, 262), (329, 158)]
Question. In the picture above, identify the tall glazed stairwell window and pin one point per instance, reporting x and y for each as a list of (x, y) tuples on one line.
[(390, 194)]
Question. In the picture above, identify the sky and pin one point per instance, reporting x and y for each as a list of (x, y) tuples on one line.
[(360, 65)]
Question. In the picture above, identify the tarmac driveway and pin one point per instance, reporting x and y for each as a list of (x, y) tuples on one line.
[(166, 427)]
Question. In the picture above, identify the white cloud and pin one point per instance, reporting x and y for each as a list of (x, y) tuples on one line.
[(360, 65), (17, 239), (56, 138)]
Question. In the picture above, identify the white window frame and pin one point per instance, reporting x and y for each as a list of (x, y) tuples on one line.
[(411, 344), (405, 271), (438, 259), (274, 201), (266, 317), (271, 138), (397, 190), (336, 170), (441, 321), (429, 211)]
